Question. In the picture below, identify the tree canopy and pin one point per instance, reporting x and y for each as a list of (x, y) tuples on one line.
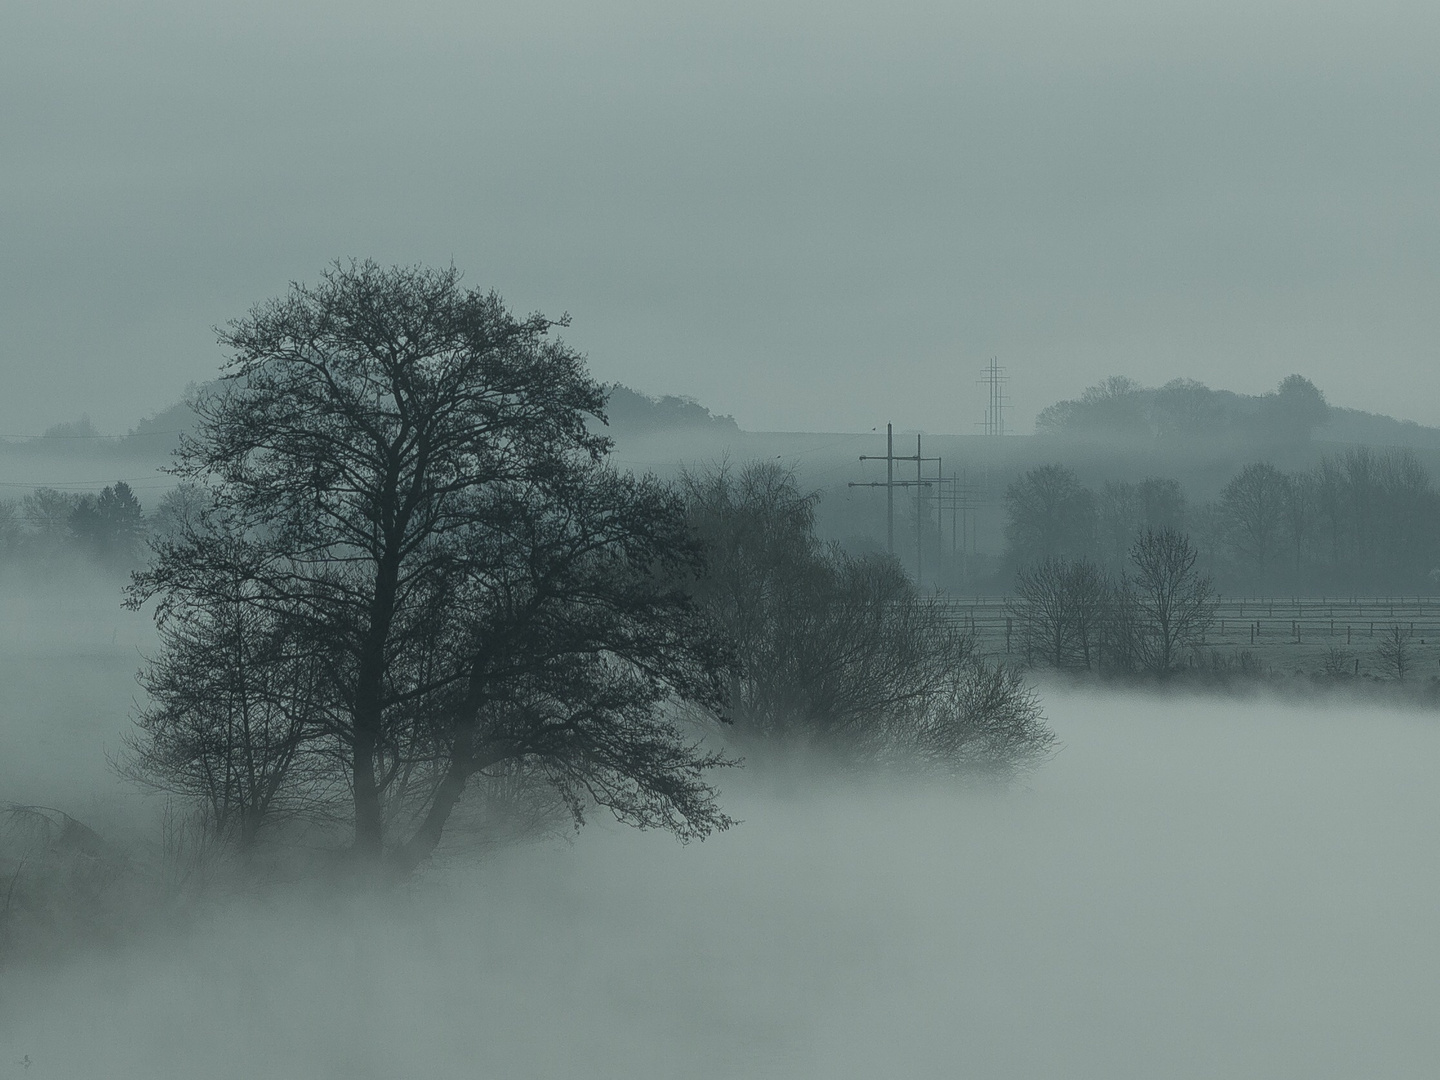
[(401, 472)]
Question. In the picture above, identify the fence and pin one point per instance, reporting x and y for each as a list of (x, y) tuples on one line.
[(1253, 620)]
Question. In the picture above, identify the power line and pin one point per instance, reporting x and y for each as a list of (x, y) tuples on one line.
[(112, 438), (144, 481)]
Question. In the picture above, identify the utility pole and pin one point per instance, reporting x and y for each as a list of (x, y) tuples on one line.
[(889, 488), (919, 516), (891, 484), (961, 500)]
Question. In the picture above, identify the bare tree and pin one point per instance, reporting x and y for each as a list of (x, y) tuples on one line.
[(985, 717), (1048, 514), (48, 512), (1393, 652), (408, 469), (1252, 508), (1300, 513), (1337, 662), (1061, 605), (1043, 611), (236, 697), (1175, 602)]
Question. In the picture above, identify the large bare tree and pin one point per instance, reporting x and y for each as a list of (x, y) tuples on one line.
[(405, 470)]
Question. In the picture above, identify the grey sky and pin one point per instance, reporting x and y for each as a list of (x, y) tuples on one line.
[(812, 216)]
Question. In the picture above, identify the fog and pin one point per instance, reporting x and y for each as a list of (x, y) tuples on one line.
[(411, 627), (1191, 887)]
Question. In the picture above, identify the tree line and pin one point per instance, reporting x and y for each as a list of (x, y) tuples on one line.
[(1074, 616), (1361, 521), (109, 527)]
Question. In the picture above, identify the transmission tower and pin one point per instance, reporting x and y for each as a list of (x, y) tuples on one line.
[(994, 379)]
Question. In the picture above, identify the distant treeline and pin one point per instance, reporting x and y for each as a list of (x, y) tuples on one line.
[(1361, 521), (110, 527), (1189, 412), (629, 411)]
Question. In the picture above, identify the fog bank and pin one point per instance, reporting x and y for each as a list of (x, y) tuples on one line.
[(1199, 888)]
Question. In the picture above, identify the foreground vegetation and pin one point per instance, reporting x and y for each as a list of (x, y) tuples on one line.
[(401, 591)]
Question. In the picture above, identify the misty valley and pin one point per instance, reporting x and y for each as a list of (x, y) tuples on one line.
[(410, 703), (1198, 887)]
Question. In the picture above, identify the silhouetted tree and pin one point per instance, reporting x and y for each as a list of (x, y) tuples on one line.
[(111, 525), (48, 513), (1252, 508), (1295, 410), (1393, 652), (827, 644), (842, 651), (1174, 602), (237, 696), (1048, 514), (406, 468), (1061, 605), (1125, 510)]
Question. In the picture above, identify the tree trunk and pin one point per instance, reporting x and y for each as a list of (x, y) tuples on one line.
[(423, 843), (368, 714), (369, 824), (463, 764)]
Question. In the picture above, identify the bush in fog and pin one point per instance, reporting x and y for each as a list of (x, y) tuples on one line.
[(11, 528), (1338, 662), (59, 881), (400, 489), (237, 705), (842, 651), (1393, 653), (984, 716)]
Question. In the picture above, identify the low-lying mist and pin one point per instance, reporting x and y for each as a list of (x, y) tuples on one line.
[(1189, 888)]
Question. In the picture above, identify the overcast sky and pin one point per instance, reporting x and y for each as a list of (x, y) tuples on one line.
[(811, 216)]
